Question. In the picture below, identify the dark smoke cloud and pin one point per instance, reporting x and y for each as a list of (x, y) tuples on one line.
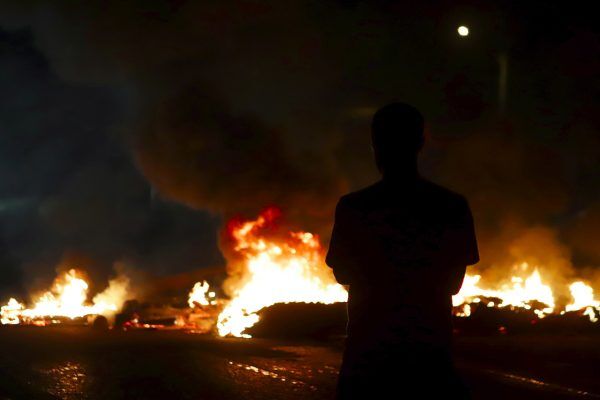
[(202, 132), (69, 189), (230, 106), (195, 150)]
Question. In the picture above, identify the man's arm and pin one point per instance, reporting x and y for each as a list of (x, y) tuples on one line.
[(461, 245), (341, 256), (457, 278)]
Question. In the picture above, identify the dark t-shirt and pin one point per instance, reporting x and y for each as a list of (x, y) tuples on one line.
[(403, 247)]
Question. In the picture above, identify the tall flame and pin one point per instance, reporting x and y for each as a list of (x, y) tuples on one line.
[(273, 269)]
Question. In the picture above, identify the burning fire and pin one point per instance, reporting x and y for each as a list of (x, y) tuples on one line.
[(10, 312), (524, 293), (201, 296), (583, 299), (269, 268), (273, 268), (67, 298)]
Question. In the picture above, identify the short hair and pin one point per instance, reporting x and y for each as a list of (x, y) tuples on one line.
[(397, 128)]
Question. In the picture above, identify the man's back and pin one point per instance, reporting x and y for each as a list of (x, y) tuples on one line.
[(402, 246)]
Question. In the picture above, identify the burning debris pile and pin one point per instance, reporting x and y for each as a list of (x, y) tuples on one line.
[(267, 266), (529, 293), (270, 266), (67, 300)]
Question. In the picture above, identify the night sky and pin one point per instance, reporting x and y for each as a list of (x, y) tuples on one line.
[(130, 130)]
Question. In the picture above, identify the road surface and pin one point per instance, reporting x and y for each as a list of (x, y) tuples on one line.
[(78, 363)]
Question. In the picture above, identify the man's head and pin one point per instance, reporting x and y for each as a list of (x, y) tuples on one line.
[(397, 136)]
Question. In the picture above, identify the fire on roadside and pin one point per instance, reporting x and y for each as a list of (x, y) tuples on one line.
[(68, 298), (269, 265)]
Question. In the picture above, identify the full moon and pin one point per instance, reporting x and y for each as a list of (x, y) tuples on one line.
[(463, 30)]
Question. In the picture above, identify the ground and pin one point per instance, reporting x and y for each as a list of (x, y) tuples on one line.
[(78, 363)]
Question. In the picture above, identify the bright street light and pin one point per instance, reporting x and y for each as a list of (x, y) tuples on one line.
[(463, 30)]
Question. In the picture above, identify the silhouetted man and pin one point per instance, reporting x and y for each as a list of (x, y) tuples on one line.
[(402, 245)]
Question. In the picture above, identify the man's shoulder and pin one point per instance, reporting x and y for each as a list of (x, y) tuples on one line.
[(442, 193), (362, 196), (425, 194), (424, 187)]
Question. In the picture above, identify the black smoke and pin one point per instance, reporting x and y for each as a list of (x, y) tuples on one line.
[(227, 107), (69, 187)]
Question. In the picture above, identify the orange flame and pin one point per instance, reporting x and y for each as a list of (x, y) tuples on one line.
[(273, 268), (522, 293), (583, 299), (10, 312), (68, 298), (200, 295), (270, 268)]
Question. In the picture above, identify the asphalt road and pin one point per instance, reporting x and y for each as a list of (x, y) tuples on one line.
[(77, 363)]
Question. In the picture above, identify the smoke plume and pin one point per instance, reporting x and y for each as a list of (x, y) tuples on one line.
[(186, 112)]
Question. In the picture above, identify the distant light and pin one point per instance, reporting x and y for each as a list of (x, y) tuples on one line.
[(463, 30)]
